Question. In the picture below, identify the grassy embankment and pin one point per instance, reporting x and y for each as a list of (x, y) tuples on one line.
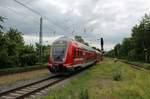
[(12, 75), (107, 80), (10, 79), (14, 70)]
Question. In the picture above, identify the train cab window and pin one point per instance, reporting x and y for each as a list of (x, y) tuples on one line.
[(59, 51)]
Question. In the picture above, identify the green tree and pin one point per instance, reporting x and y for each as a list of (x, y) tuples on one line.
[(138, 45), (13, 51), (1, 21), (4, 57), (127, 45), (15, 44), (79, 39), (141, 35), (117, 50), (45, 51), (94, 48), (28, 56), (110, 53), (86, 43), (15, 36)]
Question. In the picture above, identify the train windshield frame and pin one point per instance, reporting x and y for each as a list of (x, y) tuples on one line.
[(59, 51)]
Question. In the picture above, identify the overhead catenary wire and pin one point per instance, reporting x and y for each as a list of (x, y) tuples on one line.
[(28, 8), (17, 13), (35, 12), (45, 17), (25, 17), (48, 19)]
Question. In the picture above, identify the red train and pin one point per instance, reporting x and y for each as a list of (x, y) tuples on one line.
[(68, 55)]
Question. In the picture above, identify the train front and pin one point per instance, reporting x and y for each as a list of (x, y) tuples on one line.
[(58, 56)]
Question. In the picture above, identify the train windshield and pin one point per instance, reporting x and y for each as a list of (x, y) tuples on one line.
[(58, 51)]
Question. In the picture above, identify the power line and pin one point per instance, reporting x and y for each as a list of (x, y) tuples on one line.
[(40, 15), (17, 13), (32, 11), (28, 8), (45, 17), (10, 9)]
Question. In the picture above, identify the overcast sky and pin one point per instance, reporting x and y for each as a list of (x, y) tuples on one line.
[(92, 19)]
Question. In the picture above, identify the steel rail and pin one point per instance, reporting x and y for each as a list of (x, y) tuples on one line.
[(31, 89), (26, 85)]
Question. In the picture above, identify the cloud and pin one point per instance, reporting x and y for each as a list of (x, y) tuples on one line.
[(34, 39), (109, 19)]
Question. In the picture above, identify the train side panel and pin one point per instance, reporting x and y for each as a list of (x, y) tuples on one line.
[(69, 56), (76, 56)]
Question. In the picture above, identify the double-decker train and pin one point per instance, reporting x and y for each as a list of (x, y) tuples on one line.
[(68, 55)]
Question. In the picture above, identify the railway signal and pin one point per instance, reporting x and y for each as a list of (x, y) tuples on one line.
[(102, 44)]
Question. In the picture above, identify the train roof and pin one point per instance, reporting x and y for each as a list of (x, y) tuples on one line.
[(64, 38), (75, 42)]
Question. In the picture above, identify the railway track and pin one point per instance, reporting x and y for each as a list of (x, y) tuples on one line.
[(135, 66), (29, 89)]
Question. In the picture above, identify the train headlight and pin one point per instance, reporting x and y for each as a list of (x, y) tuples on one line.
[(63, 59)]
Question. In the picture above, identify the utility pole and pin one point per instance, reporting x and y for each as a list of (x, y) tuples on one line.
[(40, 40)]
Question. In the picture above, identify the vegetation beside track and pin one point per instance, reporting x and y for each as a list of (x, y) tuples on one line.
[(14, 70), (10, 79), (15, 53), (138, 64), (108, 80), (136, 47)]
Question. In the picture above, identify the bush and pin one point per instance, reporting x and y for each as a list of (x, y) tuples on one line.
[(132, 55), (14, 70), (5, 61), (84, 94), (45, 57), (146, 66), (117, 75), (28, 59)]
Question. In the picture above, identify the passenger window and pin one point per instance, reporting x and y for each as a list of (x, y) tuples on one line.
[(75, 53), (79, 53)]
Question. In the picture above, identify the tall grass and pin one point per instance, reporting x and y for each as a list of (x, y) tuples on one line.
[(107, 80), (84, 94), (117, 75)]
